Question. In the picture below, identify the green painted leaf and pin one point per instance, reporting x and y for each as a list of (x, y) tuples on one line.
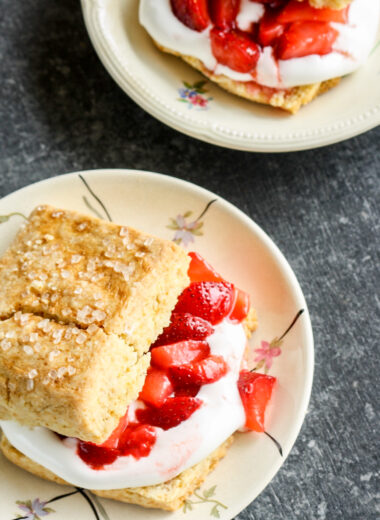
[(27, 503), (48, 510), (209, 492), (200, 84), (215, 511), (4, 218), (187, 85), (172, 226), (187, 506), (197, 233), (187, 214)]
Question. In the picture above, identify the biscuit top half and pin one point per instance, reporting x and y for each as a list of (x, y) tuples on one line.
[(94, 295)]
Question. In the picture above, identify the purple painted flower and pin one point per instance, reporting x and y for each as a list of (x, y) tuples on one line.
[(34, 510), (184, 93), (266, 354), (185, 230)]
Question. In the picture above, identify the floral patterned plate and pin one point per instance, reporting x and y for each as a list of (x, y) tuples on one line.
[(177, 95), (282, 345)]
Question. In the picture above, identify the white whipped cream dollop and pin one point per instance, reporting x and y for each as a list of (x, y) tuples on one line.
[(350, 50), (175, 450)]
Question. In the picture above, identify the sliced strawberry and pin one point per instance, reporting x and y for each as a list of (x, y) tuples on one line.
[(201, 271), (241, 306), (192, 13), (305, 38), (224, 12), (202, 372), (138, 440), (295, 11), (270, 29), (157, 387), (179, 353), (255, 392), (174, 411), (113, 439), (188, 390), (234, 49), (184, 326), (96, 456), (211, 301)]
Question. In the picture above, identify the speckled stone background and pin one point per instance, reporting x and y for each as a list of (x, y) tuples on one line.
[(61, 112)]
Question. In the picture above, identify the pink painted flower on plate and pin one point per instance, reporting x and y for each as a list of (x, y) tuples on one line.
[(266, 353), (185, 230)]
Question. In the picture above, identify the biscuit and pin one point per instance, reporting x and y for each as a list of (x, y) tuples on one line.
[(74, 381), (169, 496), (290, 99), (81, 300)]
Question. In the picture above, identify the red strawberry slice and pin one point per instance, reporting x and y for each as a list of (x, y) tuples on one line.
[(224, 12), (96, 456), (188, 390), (202, 372), (157, 387), (184, 326), (234, 49), (241, 306), (211, 301), (138, 440), (174, 411), (179, 353), (255, 392), (201, 271), (192, 13), (270, 29), (296, 11), (113, 439), (305, 38)]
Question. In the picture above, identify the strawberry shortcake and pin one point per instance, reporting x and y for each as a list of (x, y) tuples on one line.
[(172, 434), (277, 52)]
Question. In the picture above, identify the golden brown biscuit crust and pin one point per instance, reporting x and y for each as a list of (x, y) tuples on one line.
[(74, 381), (83, 270), (81, 300)]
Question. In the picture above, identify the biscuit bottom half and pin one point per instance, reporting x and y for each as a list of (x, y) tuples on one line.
[(169, 496), (289, 99)]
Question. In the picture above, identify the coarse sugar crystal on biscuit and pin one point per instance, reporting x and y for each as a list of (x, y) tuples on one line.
[(103, 291)]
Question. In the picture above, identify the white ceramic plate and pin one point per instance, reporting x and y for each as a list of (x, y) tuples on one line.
[(153, 80), (245, 255)]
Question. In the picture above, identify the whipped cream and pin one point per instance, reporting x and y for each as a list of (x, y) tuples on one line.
[(175, 450), (351, 49)]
